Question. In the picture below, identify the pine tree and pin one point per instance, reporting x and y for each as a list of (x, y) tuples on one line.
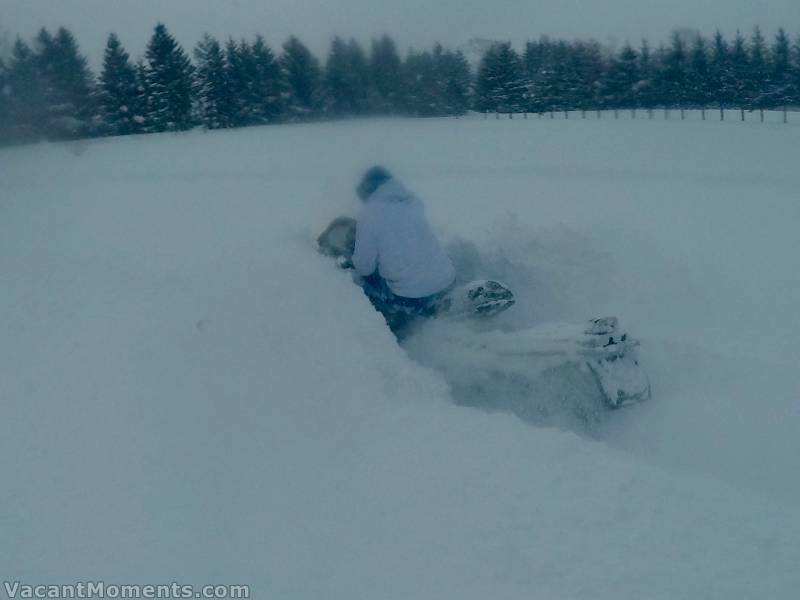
[(781, 91), (758, 76), (419, 75), (587, 70), (456, 82), (67, 85), (26, 102), (740, 72), (76, 81), (337, 92), (500, 84), (570, 83), (722, 77), (623, 77), (269, 87), (647, 94), (565, 76), (118, 90), (44, 57), (533, 68), (240, 76), (143, 107), (673, 80), (555, 81), (170, 82), (795, 73), (345, 79), (5, 91), (438, 83), (385, 76), (302, 76), (699, 92), (212, 85), (359, 65)]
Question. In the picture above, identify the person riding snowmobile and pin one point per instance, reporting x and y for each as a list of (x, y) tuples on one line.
[(403, 267), (405, 273)]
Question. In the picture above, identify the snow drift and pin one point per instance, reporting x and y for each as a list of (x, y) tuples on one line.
[(191, 393)]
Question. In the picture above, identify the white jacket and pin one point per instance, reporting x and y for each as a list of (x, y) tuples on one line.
[(393, 236)]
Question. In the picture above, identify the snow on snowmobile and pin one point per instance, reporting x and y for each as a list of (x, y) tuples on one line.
[(534, 372)]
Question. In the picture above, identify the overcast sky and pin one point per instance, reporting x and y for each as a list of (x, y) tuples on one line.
[(416, 23)]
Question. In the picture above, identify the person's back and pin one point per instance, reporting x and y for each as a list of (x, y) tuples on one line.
[(393, 237)]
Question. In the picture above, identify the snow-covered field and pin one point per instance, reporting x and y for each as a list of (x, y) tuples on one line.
[(191, 393)]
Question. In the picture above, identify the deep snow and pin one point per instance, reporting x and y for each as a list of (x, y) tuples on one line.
[(190, 393)]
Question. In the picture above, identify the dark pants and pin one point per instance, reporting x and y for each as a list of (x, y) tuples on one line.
[(399, 311)]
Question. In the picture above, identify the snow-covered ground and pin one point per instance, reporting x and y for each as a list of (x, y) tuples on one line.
[(191, 393)]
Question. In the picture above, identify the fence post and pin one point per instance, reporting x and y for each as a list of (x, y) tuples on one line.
[(721, 113), (761, 114), (633, 113), (525, 115), (683, 114), (552, 114), (616, 114), (703, 113), (510, 115), (599, 115), (497, 114), (742, 111), (583, 113), (566, 115)]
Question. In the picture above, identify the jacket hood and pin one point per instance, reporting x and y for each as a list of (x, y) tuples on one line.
[(391, 191)]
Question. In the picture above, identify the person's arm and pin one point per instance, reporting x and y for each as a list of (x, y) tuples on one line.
[(365, 256)]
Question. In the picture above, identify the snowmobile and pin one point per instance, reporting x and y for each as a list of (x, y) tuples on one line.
[(482, 298), (533, 372)]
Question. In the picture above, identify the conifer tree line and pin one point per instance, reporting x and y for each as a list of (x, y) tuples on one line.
[(689, 72), (47, 90)]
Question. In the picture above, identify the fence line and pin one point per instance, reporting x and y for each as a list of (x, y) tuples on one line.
[(651, 114)]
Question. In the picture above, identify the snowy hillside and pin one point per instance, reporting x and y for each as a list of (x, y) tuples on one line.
[(191, 393)]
